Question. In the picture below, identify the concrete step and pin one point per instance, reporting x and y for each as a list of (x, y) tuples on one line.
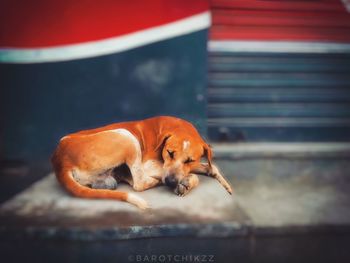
[(281, 150)]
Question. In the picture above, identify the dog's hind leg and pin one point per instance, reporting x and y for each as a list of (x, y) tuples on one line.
[(104, 181)]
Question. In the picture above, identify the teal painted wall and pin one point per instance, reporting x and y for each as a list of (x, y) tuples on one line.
[(40, 103)]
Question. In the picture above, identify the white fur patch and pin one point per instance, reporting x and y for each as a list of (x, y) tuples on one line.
[(136, 167), (65, 137), (128, 134), (138, 201), (82, 177), (186, 144), (125, 133)]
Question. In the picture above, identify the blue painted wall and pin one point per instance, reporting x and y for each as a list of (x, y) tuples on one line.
[(42, 102)]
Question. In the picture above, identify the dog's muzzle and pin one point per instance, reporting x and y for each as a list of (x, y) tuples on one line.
[(171, 181)]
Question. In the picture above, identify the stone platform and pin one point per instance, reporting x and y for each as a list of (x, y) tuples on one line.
[(49, 211)]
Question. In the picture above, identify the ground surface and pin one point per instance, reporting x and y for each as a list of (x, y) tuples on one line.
[(285, 209)]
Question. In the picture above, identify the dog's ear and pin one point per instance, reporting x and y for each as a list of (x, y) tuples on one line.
[(207, 153), (161, 139)]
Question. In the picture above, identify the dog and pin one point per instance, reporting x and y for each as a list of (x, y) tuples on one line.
[(147, 153)]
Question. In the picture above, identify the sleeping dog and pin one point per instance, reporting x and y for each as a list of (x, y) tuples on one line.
[(160, 150)]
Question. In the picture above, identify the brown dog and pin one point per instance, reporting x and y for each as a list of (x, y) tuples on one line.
[(158, 150)]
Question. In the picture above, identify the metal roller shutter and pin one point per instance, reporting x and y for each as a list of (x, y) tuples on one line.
[(272, 76)]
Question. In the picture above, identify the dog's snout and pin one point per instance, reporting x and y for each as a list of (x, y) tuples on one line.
[(171, 181)]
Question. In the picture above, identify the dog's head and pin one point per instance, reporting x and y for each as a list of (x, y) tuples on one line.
[(181, 154)]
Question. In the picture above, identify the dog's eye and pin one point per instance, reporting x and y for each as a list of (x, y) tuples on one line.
[(189, 160), (171, 154)]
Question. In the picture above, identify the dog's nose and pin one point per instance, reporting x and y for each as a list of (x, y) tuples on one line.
[(171, 181)]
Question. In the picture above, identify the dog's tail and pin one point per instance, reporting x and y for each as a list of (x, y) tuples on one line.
[(65, 177)]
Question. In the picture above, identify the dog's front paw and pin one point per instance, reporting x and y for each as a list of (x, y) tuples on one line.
[(183, 187)]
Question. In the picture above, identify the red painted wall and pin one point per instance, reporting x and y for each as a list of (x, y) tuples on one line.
[(40, 23), (317, 20)]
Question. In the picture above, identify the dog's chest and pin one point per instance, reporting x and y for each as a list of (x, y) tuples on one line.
[(151, 167)]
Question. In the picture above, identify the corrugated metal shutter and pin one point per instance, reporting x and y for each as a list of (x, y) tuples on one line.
[(279, 96), (308, 20)]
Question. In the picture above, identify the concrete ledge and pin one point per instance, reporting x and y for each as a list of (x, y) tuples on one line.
[(278, 47), (46, 211), (283, 150)]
